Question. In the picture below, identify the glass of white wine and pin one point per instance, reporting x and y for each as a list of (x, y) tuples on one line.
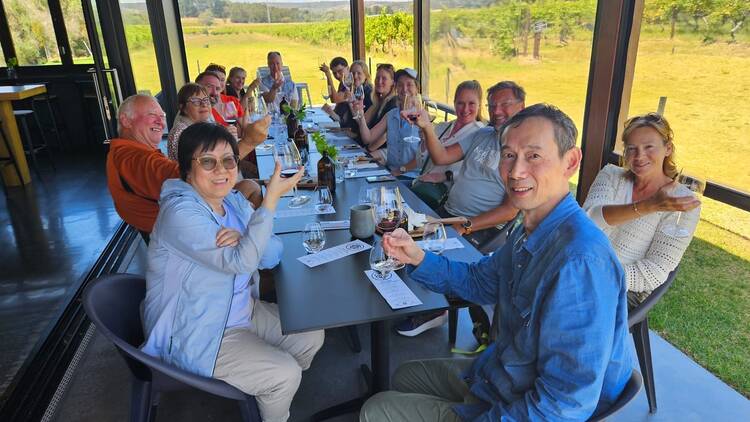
[(313, 237), (696, 185), (379, 260), (434, 237)]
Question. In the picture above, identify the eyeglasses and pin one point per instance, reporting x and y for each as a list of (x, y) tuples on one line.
[(504, 104), (209, 163), (197, 101)]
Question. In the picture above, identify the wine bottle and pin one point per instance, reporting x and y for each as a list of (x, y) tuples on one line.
[(327, 172), (284, 106), (300, 140)]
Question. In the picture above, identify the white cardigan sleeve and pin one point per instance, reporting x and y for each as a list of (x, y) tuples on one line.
[(603, 192)]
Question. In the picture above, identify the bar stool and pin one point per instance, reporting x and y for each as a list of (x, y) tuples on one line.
[(31, 149), (54, 113), (10, 159)]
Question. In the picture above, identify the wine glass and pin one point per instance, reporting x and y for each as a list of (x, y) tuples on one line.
[(388, 209), (289, 157), (325, 199), (434, 237), (325, 92), (230, 113), (380, 261), (412, 107), (348, 82), (696, 185), (313, 237), (359, 95)]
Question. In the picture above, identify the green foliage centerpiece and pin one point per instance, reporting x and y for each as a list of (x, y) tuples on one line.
[(322, 145)]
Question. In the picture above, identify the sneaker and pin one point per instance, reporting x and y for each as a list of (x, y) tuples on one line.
[(418, 324)]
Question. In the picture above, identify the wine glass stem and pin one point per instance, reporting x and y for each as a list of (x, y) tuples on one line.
[(677, 220)]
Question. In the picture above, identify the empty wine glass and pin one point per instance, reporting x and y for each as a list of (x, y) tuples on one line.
[(313, 237), (325, 92), (412, 107), (289, 157), (348, 82), (379, 260), (434, 237), (325, 199), (696, 185)]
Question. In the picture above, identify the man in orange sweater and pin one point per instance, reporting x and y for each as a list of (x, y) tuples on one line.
[(136, 168)]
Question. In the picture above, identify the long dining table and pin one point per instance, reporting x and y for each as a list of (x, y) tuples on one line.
[(338, 293), (8, 94)]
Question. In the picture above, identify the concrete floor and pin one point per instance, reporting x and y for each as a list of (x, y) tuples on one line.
[(100, 389)]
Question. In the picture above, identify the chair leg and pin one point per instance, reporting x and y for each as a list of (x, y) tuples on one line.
[(44, 141), (30, 145), (249, 410), (353, 334), (643, 350), (452, 325), (140, 401)]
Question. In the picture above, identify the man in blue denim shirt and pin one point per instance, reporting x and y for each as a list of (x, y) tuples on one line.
[(562, 351)]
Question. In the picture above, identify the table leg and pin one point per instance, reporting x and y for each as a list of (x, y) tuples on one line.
[(377, 379), (10, 176)]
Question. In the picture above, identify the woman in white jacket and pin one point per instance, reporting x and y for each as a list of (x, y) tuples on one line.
[(202, 311), (632, 205)]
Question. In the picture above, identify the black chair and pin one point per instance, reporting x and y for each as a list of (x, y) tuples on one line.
[(631, 390), (31, 148), (638, 324), (112, 302), (10, 159)]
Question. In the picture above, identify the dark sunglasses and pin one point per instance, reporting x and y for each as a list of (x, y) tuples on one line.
[(209, 163)]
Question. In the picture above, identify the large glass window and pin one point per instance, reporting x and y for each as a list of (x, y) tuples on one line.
[(698, 61), (75, 26), (306, 33), (389, 32), (543, 46), (140, 46), (33, 35)]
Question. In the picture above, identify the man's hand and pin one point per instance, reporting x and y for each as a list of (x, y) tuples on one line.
[(278, 81), (255, 133), (325, 69), (227, 237), (250, 190), (401, 246), (253, 85)]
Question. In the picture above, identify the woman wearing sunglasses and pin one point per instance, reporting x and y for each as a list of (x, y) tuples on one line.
[(194, 106), (202, 311)]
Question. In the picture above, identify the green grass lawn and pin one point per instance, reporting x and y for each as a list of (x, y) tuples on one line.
[(707, 311)]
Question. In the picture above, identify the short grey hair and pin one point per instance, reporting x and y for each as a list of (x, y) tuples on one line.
[(565, 130), (127, 108), (518, 92)]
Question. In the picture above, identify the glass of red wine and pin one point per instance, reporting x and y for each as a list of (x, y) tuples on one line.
[(412, 107), (389, 213), (289, 157)]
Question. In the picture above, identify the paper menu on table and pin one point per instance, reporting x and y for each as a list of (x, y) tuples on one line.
[(334, 253), (301, 212), (335, 224), (450, 243), (393, 289)]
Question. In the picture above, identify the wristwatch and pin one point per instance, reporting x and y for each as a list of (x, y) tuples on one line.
[(402, 169), (467, 226)]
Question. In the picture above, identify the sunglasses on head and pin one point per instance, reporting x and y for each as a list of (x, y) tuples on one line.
[(209, 163)]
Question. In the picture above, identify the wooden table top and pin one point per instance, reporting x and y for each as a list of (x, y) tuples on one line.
[(19, 92)]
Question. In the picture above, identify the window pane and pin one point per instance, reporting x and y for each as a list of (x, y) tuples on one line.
[(701, 67), (545, 47), (389, 33), (241, 34), (76, 28), (32, 31), (140, 46)]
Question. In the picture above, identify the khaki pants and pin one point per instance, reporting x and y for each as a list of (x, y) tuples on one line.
[(262, 362), (423, 390)]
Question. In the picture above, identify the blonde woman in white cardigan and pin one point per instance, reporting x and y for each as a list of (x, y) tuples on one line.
[(632, 204)]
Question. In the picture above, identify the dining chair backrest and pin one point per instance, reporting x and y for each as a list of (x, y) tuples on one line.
[(263, 71), (112, 302), (640, 312), (628, 393)]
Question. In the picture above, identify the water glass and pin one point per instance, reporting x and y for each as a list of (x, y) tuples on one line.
[(325, 199), (351, 169), (313, 238), (339, 171), (434, 237)]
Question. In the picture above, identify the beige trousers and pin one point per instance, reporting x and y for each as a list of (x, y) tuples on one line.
[(264, 363), (423, 391)]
